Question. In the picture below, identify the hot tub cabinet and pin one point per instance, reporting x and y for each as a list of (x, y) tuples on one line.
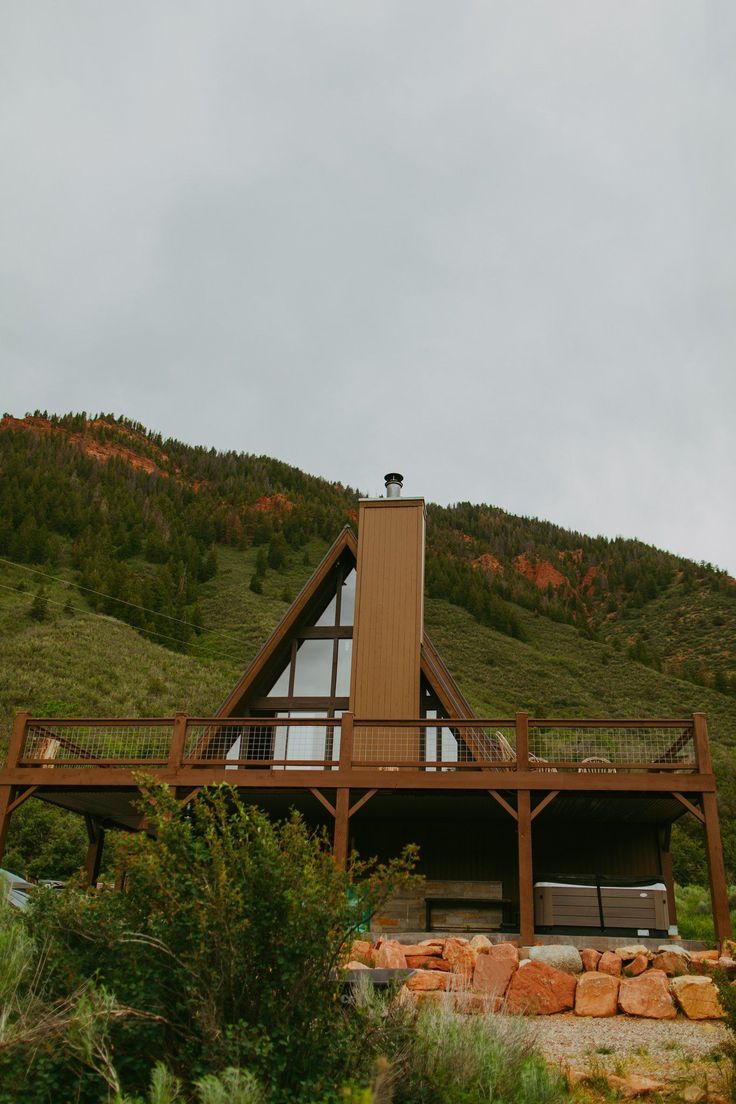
[(607, 909)]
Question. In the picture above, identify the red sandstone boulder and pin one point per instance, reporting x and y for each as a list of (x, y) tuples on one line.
[(590, 958), (422, 962), (362, 951), (705, 956), (672, 964), (610, 963), (539, 989), (433, 950), (697, 997), (438, 943), (728, 965), (427, 996), (390, 956), (633, 1085), (494, 971), (506, 951), (637, 965), (461, 957), (481, 944), (596, 995), (647, 995), (627, 953), (426, 980)]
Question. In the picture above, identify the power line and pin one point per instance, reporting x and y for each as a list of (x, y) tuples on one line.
[(152, 632), (122, 601)]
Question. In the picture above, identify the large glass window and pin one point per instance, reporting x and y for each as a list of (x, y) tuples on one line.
[(315, 681), (313, 668)]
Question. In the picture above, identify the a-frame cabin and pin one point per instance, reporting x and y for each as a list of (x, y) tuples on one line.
[(349, 714)]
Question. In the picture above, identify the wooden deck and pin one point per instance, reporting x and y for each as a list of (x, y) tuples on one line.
[(523, 763)]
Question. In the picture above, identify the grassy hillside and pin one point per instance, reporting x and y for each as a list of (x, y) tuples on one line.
[(538, 618)]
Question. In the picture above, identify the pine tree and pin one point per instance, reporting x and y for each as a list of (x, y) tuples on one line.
[(39, 610)]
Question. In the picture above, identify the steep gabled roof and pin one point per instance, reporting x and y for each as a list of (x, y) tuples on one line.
[(305, 609)]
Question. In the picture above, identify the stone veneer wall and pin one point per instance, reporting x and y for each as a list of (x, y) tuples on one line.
[(407, 913)]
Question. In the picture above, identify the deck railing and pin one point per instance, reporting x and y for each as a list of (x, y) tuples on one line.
[(323, 744)]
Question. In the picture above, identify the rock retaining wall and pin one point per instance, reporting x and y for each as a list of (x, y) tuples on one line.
[(476, 975)]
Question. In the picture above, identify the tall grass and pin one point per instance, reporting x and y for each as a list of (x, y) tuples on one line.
[(450, 1059)]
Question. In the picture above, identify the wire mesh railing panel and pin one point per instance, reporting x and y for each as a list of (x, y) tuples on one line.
[(434, 745), (93, 744), (604, 748), (277, 742)]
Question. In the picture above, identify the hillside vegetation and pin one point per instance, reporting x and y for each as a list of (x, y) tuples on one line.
[(139, 576)]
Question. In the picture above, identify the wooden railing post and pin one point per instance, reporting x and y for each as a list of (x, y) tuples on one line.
[(346, 741), (342, 797), (16, 745), (702, 744), (522, 741), (178, 742)]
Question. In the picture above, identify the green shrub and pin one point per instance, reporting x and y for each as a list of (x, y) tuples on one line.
[(229, 932)]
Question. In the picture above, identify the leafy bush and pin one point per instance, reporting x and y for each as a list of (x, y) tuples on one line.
[(230, 933)]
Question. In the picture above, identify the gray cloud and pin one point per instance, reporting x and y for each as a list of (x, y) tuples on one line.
[(489, 244)]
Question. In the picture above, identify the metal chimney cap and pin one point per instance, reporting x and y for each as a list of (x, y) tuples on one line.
[(394, 482)]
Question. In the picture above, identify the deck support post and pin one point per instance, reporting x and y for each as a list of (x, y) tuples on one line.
[(713, 845), (342, 812), (665, 856), (96, 836), (342, 797), (7, 793), (6, 797), (526, 877), (716, 869)]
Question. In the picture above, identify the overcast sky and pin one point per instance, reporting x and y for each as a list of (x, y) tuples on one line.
[(491, 245)]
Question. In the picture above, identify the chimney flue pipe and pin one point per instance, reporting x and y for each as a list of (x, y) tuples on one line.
[(394, 483)]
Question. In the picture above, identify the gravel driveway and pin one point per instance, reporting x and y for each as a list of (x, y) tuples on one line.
[(575, 1040)]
